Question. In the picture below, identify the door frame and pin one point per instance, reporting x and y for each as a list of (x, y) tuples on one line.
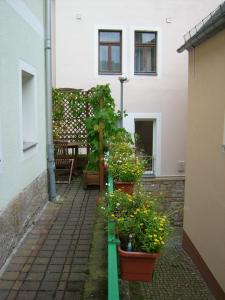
[(129, 125)]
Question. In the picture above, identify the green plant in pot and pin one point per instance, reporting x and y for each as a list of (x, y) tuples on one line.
[(124, 166), (142, 229), (103, 116)]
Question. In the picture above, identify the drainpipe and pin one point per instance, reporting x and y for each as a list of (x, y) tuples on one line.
[(48, 74)]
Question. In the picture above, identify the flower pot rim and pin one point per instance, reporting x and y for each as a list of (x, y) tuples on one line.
[(90, 172), (124, 182), (137, 254)]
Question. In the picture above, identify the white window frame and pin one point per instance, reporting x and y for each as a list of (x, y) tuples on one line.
[(32, 148), (123, 49), (129, 125), (158, 52)]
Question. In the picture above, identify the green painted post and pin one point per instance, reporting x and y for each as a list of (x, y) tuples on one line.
[(113, 286)]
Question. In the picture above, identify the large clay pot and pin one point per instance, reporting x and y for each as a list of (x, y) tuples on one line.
[(137, 266), (91, 178), (126, 187)]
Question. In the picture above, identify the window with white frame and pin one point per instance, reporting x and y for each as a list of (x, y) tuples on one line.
[(28, 110), (110, 52), (145, 52)]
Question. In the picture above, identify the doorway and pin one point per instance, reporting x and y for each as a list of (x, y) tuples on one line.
[(144, 132)]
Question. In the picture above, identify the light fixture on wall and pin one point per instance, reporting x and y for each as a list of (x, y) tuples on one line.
[(122, 79)]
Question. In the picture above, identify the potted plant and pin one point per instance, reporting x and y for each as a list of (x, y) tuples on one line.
[(142, 231), (125, 167), (103, 115)]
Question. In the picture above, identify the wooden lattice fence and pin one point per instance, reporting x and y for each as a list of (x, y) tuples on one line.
[(68, 125)]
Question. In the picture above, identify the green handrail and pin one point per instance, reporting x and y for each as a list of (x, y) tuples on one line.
[(113, 286)]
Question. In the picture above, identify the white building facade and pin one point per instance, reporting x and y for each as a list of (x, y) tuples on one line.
[(98, 41), (23, 176)]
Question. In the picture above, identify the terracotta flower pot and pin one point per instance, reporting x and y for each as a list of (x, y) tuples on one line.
[(126, 187), (91, 178), (137, 266)]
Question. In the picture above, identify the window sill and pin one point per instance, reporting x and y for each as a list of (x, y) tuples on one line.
[(146, 74), (28, 145), (112, 74)]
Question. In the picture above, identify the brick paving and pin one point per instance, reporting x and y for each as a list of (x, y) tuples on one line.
[(175, 277), (51, 263)]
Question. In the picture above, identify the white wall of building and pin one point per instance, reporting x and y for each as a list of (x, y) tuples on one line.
[(22, 49), (76, 59)]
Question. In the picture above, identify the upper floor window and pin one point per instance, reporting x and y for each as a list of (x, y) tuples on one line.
[(145, 52), (110, 52)]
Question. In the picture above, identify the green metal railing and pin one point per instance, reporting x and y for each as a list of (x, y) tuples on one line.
[(113, 285)]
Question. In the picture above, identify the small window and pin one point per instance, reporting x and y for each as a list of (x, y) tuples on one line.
[(109, 52), (145, 52), (28, 110)]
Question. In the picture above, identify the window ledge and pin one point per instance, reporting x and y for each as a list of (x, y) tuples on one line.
[(146, 74), (102, 74), (28, 145)]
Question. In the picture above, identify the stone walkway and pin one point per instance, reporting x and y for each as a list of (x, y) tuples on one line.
[(51, 263)]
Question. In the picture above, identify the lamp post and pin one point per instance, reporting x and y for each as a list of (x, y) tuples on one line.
[(122, 79)]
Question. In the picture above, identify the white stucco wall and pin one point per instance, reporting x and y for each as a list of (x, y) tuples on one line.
[(22, 40), (76, 56)]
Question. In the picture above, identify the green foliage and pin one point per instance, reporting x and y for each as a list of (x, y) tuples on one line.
[(101, 109), (123, 164), (138, 216)]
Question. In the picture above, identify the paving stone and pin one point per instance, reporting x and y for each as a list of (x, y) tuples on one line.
[(45, 253), (42, 260), (49, 285), (26, 295), (57, 260), (35, 276), (52, 276), (75, 286), (10, 275), (30, 285), (6, 284), (26, 268), (22, 276), (72, 296), (55, 268), (62, 285), (19, 260), (11, 296), (60, 295), (77, 277), (17, 285), (38, 268), (44, 295), (14, 267), (4, 294)]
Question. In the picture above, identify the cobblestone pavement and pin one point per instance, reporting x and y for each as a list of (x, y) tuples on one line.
[(51, 263), (176, 277)]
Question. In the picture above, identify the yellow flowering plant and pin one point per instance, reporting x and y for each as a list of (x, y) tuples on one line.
[(138, 220), (123, 164)]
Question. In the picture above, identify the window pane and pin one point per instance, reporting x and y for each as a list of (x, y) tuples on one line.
[(145, 60), (150, 60), (103, 59), (109, 36), (115, 57), (139, 60), (145, 37)]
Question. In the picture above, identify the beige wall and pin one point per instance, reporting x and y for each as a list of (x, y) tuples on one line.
[(204, 214)]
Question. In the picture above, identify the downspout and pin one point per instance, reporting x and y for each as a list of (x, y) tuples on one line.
[(48, 75)]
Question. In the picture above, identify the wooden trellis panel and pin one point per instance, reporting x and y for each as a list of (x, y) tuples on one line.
[(65, 124)]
